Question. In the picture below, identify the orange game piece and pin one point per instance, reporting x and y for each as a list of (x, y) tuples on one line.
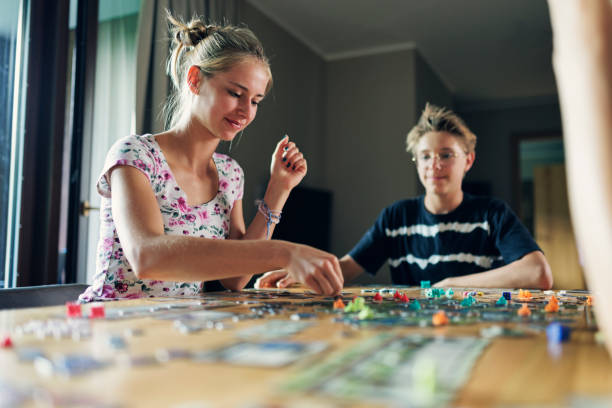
[(339, 304), (524, 294), (524, 311), (551, 307), (554, 300), (589, 301), (439, 318)]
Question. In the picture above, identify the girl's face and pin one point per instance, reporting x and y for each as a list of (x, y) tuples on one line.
[(441, 163), (226, 103)]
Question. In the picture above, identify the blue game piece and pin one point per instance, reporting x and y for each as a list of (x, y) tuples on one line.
[(557, 333), (507, 295), (425, 284)]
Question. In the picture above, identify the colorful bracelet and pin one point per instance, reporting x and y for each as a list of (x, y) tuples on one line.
[(271, 216)]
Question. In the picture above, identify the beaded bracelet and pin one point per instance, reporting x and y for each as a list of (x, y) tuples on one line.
[(271, 216)]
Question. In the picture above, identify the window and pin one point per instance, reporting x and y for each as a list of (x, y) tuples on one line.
[(13, 18)]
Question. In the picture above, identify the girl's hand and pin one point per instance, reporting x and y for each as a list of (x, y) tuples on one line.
[(288, 165), (317, 269)]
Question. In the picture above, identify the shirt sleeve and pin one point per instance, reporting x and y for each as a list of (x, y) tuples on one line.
[(240, 179), (512, 238), (370, 252), (128, 151)]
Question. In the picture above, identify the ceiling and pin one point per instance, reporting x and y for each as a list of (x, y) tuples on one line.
[(482, 50)]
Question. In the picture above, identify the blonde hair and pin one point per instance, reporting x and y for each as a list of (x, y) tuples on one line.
[(437, 119), (214, 48)]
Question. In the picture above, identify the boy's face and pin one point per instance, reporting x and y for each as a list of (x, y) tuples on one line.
[(441, 163)]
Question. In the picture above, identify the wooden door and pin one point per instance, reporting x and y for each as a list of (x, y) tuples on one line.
[(553, 227)]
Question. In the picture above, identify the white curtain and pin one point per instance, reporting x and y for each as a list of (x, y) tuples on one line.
[(114, 105), (153, 85)]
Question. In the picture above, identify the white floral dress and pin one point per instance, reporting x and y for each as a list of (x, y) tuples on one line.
[(114, 276)]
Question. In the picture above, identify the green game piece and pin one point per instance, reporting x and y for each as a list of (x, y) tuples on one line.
[(366, 313), (468, 301), (450, 293), (415, 305), (502, 301), (356, 305), (425, 284)]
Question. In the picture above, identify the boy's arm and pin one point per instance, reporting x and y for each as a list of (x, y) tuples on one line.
[(530, 271)]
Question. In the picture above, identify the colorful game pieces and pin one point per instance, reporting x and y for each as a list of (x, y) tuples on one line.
[(524, 311), (425, 284), (557, 333), (507, 295), (502, 301), (439, 318), (73, 309), (378, 297), (338, 303), (6, 342), (524, 294), (468, 301), (96, 312)]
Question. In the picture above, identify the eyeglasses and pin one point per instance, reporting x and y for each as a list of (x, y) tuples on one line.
[(444, 158)]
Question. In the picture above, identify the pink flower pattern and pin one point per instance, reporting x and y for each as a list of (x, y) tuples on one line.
[(114, 276)]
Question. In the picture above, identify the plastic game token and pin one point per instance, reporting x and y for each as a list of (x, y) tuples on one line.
[(6, 342)]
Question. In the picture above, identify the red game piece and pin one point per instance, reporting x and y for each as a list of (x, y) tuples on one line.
[(397, 295), (73, 309), (378, 297), (404, 298), (96, 312), (6, 342)]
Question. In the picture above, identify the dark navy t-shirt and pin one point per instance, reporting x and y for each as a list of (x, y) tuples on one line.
[(481, 234)]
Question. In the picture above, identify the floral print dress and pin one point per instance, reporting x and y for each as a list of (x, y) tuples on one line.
[(114, 276)]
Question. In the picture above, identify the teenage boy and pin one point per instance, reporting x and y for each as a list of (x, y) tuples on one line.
[(446, 236)]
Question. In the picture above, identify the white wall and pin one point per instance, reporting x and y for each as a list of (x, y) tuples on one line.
[(294, 106), (370, 107)]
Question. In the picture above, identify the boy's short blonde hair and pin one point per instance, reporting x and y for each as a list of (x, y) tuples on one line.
[(437, 119)]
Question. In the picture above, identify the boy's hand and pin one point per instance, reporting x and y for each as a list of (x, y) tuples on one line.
[(274, 279)]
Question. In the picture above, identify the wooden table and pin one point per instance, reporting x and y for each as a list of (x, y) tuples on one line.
[(510, 371)]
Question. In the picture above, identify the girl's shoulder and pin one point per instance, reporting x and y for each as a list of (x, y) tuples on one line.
[(226, 164)]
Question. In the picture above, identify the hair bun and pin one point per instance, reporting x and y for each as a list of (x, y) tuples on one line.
[(194, 33)]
